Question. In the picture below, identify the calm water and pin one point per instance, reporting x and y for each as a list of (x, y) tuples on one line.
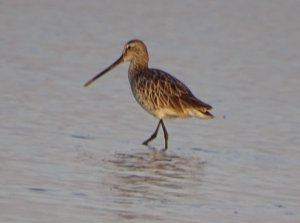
[(74, 154)]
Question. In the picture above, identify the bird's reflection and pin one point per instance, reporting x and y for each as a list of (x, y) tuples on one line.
[(155, 174)]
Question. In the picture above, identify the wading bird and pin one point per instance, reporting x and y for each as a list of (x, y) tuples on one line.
[(159, 93)]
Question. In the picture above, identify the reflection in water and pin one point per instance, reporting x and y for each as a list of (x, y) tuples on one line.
[(154, 175)]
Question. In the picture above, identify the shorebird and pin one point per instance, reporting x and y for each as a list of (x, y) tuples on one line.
[(158, 92)]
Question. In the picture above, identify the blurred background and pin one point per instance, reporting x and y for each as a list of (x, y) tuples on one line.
[(74, 154)]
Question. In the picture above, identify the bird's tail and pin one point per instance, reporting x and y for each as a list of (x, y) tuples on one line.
[(197, 108), (200, 114)]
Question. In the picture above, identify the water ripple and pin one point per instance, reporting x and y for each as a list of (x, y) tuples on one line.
[(153, 175)]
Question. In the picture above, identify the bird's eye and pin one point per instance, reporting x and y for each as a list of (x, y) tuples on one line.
[(128, 47)]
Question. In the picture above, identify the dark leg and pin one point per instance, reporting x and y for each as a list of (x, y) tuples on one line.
[(165, 134), (153, 136)]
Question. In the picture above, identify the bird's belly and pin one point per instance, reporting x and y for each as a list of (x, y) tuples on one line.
[(161, 112), (168, 113)]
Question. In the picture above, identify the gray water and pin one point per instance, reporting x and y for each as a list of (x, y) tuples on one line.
[(74, 154)]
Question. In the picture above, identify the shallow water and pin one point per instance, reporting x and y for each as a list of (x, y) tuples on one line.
[(73, 154)]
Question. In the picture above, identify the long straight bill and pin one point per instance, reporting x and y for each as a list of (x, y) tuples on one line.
[(116, 63)]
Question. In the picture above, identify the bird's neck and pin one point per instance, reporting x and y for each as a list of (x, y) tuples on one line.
[(137, 66)]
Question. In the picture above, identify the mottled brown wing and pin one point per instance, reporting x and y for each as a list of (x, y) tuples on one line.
[(195, 102), (170, 85), (177, 94)]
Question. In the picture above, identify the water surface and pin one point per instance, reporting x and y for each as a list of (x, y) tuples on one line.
[(74, 154)]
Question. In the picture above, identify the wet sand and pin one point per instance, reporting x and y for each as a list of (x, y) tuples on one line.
[(74, 154)]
